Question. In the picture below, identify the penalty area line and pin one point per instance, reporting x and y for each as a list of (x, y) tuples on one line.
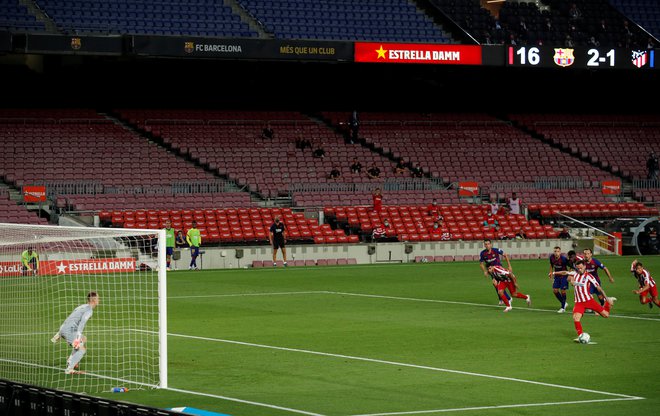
[(504, 406), (400, 364)]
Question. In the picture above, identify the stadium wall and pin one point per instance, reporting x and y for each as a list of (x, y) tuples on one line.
[(226, 258)]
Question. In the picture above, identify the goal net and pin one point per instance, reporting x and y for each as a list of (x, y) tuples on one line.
[(48, 271)]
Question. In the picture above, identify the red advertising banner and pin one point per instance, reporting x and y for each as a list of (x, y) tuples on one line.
[(87, 266), (469, 188), (34, 193), (611, 187), (10, 268), (418, 53)]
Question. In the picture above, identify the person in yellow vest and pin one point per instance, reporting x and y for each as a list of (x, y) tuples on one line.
[(170, 242), (30, 262), (194, 239)]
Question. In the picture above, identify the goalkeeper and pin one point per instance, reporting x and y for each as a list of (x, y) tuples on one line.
[(72, 329), (30, 262)]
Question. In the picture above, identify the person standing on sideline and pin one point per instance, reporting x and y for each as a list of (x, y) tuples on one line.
[(558, 263), (648, 291), (194, 239), (503, 279), (583, 281), (490, 256), (377, 197), (30, 262), (170, 243), (277, 237), (592, 264), (514, 204), (71, 331)]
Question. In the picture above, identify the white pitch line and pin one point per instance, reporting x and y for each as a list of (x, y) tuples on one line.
[(473, 304), (249, 294), (400, 364), (271, 406), (504, 406), (81, 375), (318, 292)]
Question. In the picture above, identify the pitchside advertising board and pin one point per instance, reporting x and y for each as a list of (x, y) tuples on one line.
[(333, 51), (418, 53), (580, 57), (243, 48), (60, 267)]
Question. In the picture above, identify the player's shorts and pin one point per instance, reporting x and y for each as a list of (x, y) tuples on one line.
[(194, 251), (653, 291), (68, 336), (169, 250), (33, 265), (560, 282), (580, 307), (278, 243), (593, 287), (507, 284)]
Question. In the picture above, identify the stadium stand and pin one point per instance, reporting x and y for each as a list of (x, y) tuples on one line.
[(459, 147), (16, 17), (120, 17), (645, 13), (602, 140), (548, 22), (385, 20), (11, 212)]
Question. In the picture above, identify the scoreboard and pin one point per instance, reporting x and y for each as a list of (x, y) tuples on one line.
[(579, 57)]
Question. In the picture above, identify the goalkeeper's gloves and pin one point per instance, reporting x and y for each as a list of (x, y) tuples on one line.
[(77, 343)]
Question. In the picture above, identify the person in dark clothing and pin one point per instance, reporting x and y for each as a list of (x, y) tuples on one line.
[(564, 234), (268, 132), (277, 237), (653, 166), (353, 126)]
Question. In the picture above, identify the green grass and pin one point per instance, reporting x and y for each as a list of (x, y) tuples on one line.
[(403, 338)]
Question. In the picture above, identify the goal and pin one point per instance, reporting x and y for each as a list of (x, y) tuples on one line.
[(126, 335)]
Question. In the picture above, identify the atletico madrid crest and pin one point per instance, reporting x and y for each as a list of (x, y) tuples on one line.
[(563, 57), (639, 58)]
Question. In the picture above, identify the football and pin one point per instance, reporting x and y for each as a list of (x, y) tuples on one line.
[(584, 338)]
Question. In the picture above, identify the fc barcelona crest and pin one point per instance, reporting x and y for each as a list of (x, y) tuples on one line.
[(564, 57), (189, 47), (76, 43)]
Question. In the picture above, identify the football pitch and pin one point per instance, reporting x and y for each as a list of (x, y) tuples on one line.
[(404, 339)]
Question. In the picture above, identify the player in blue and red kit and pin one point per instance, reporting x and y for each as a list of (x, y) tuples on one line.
[(572, 259), (490, 256), (592, 265), (558, 263)]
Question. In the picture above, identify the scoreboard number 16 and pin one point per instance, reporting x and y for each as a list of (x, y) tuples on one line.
[(529, 56)]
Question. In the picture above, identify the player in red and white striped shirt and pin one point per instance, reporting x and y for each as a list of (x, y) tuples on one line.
[(583, 281), (504, 279), (648, 291)]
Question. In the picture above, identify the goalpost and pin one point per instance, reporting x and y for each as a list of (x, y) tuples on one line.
[(604, 242), (126, 335)]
